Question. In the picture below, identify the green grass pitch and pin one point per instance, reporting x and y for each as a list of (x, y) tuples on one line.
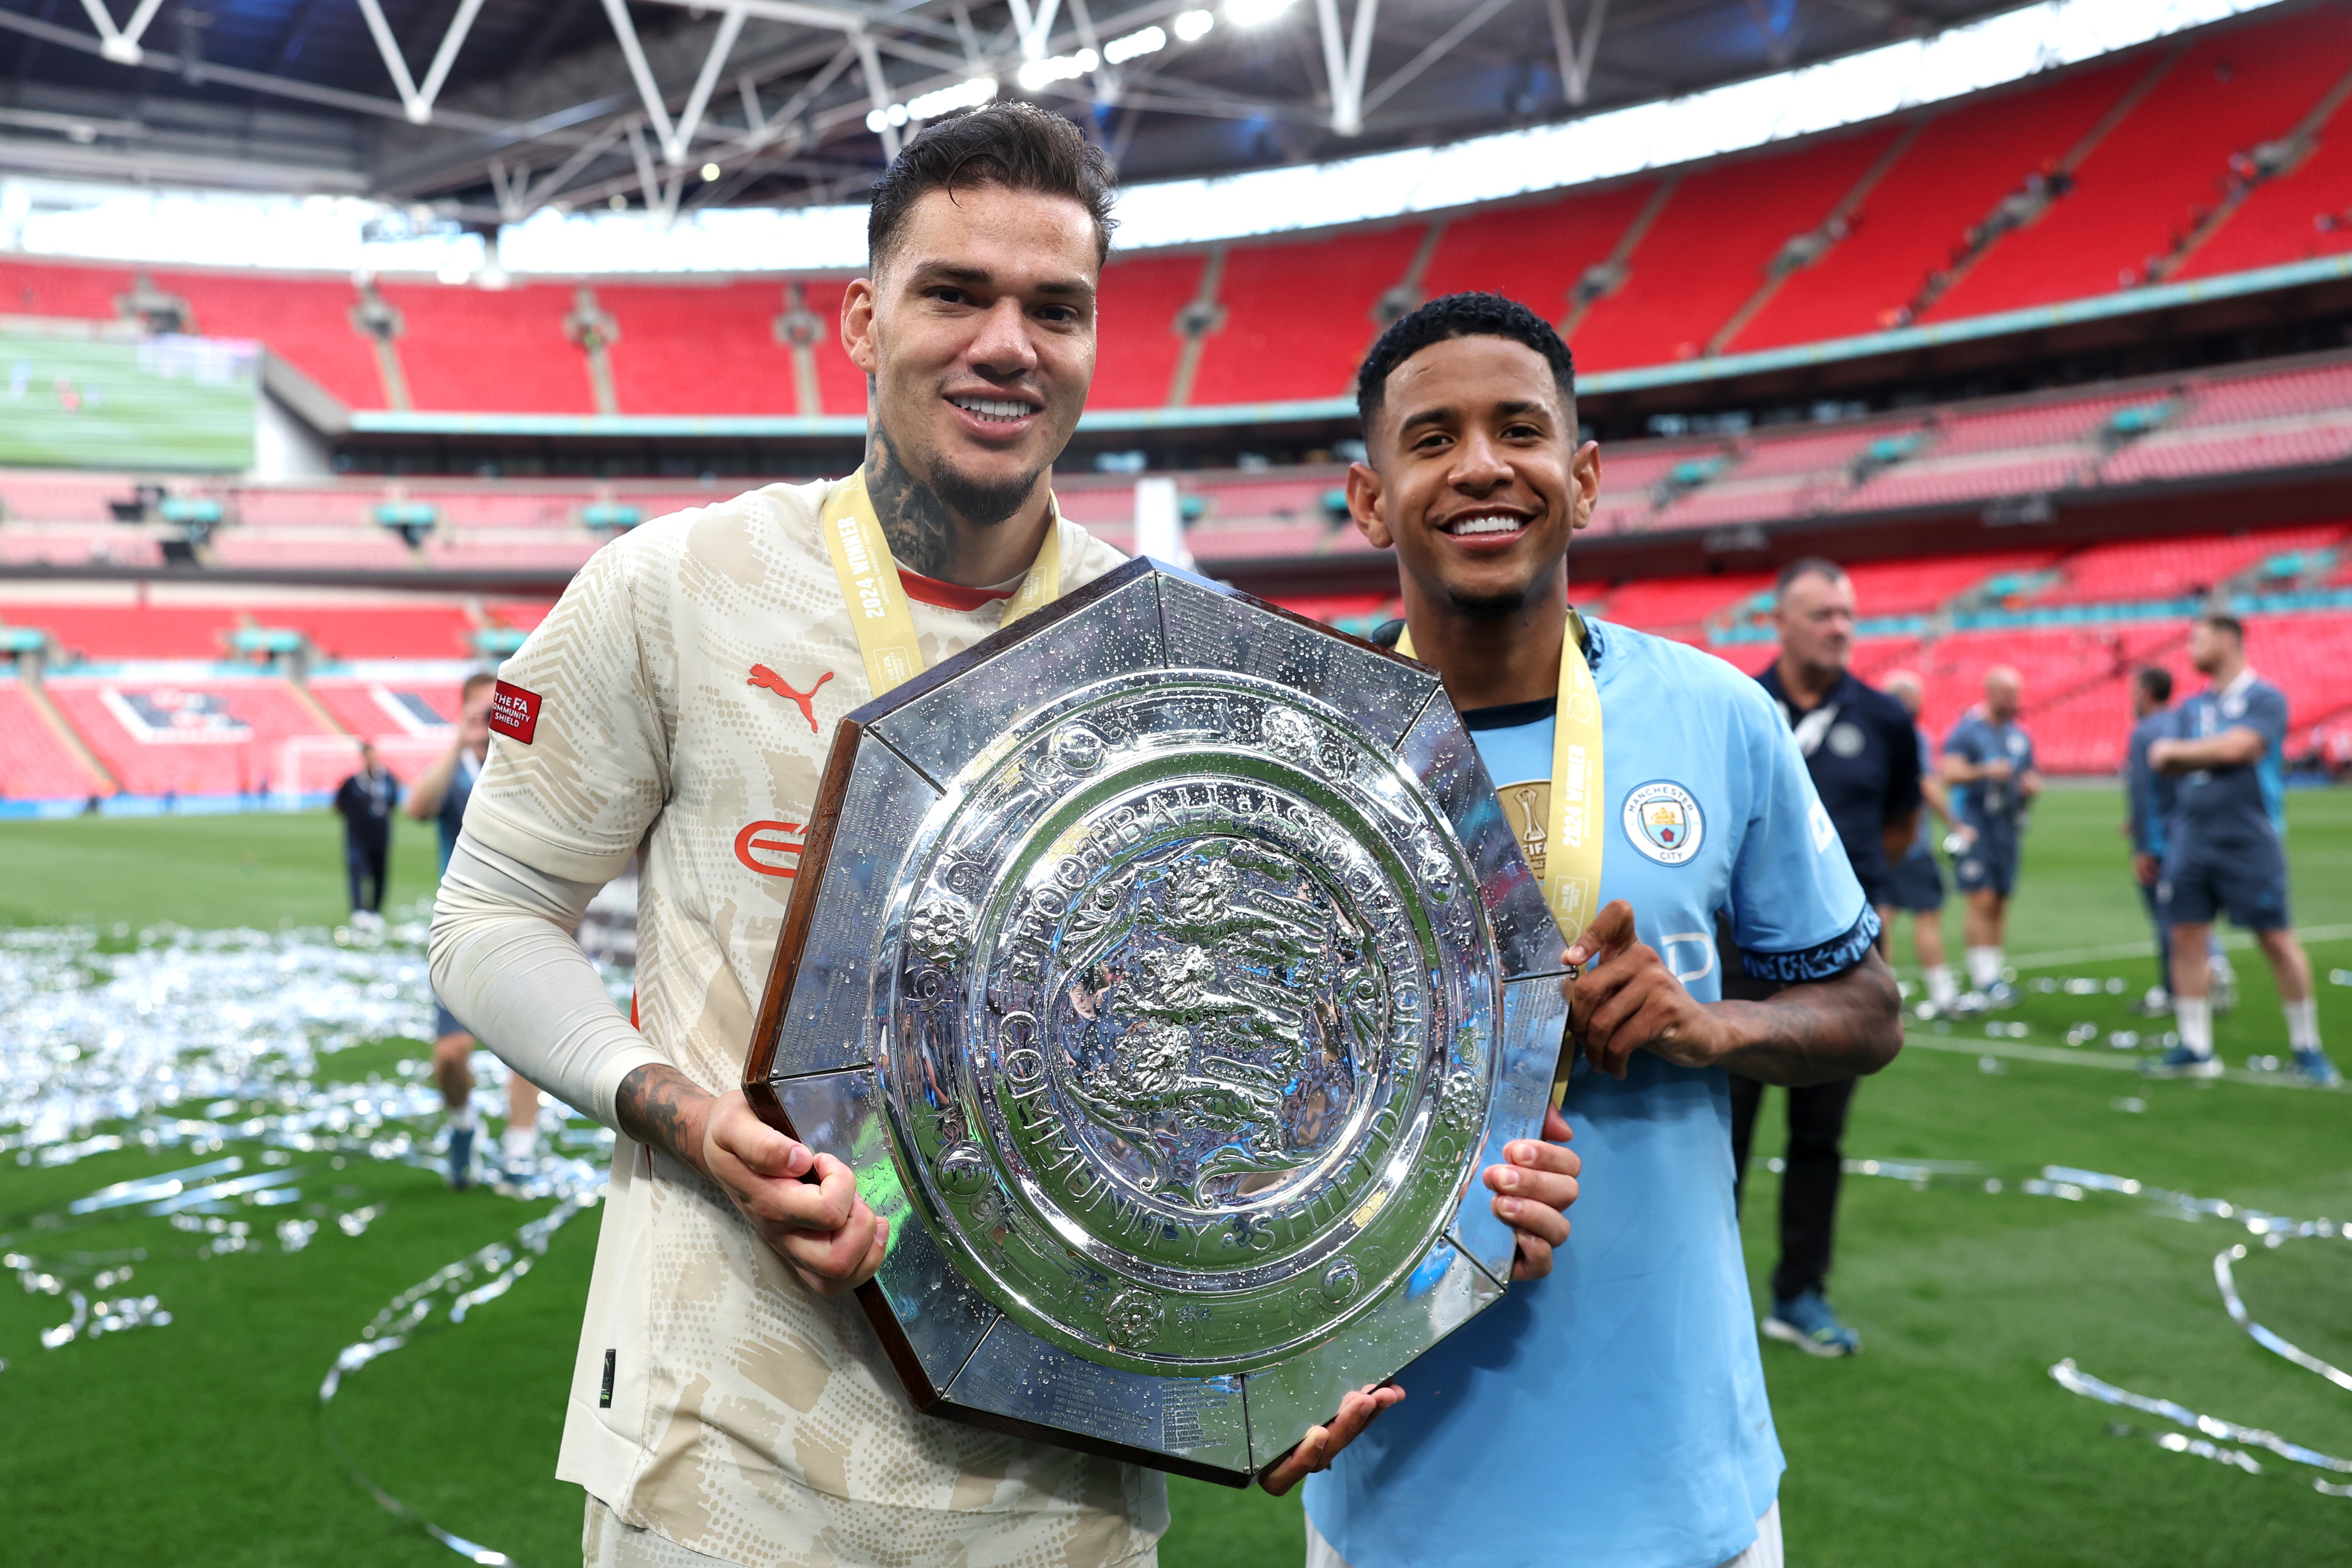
[(1946, 1442)]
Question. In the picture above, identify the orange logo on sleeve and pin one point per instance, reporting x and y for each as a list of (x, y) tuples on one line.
[(771, 849), (763, 676)]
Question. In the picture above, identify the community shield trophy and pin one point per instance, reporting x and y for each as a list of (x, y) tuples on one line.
[(1166, 969)]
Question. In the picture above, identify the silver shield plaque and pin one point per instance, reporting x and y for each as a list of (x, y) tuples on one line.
[(1167, 970)]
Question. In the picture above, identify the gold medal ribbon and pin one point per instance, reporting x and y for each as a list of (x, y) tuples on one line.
[(1572, 826), (879, 609)]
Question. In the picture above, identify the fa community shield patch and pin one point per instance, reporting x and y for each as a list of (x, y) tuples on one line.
[(1663, 820)]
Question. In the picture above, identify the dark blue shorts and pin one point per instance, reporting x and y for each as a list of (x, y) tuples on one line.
[(444, 1022), (1917, 884), (2201, 881), (1989, 862)]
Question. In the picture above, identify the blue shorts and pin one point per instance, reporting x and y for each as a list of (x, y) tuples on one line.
[(1989, 862), (2249, 881), (444, 1022), (1917, 884)]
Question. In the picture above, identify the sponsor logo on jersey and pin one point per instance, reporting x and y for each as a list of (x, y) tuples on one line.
[(771, 849), (1663, 820), (514, 712), (768, 679)]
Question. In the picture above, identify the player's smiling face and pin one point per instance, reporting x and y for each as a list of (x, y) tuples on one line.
[(1475, 475), (977, 334)]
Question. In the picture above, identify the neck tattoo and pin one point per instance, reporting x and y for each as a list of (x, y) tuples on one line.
[(913, 518)]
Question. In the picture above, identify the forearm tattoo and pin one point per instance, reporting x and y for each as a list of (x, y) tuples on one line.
[(653, 1107), (1823, 1030)]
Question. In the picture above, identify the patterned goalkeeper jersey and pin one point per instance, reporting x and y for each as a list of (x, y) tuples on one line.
[(678, 702)]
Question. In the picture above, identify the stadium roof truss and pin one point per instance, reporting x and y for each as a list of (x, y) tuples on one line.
[(482, 112)]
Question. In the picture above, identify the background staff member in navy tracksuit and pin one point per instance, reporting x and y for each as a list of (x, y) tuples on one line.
[(1863, 757), (364, 802), (2224, 850)]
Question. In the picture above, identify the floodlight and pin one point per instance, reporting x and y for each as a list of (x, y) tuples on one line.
[(1192, 26), (1253, 12), (709, 173), (1036, 74), (1149, 41)]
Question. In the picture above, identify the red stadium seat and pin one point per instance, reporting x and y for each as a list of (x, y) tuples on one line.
[(1299, 315), (35, 764), (2166, 165), (1965, 161), (1708, 252)]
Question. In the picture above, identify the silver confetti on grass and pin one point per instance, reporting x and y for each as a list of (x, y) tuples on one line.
[(191, 1040), (2213, 1434)]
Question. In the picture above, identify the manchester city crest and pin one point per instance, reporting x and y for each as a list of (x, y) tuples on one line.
[(1663, 820)]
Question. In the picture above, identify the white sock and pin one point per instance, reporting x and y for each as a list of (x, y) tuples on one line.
[(2302, 1023), (2194, 1017), (520, 1141), (1984, 967), (462, 1117), (1942, 988), (2222, 974)]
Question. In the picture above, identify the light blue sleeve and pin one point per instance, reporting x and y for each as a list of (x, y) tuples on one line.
[(1965, 741), (1797, 912)]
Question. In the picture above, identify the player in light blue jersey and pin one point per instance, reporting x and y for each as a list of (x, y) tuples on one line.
[(2223, 847), (1988, 766), (1613, 1415)]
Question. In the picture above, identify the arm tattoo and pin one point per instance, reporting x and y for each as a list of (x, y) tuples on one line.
[(914, 520), (652, 1107), (1823, 1030)]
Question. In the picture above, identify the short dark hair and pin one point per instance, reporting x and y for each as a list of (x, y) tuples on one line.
[(2156, 681), (1467, 315), (1806, 566), (2221, 622), (1014, 144), (475, 683)]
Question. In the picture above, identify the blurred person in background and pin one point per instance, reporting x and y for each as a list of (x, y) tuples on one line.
[(364, 802), (1988, 767), (1863, 756), (440, 798), (1917, 886), (2224, 848), (2148, 800)]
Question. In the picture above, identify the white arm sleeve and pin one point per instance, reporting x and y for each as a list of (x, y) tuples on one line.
[(504, 963)]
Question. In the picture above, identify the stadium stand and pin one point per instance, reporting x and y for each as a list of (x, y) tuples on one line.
[(468, 351), (105, 634), (2171, 569), (2304, 213), (1138, 340), (1833, 235), (701, 351), (1706, 254), (1915, 221), (1300, 315), (401, 706), (215, 737), (2147, 187), (1537, 253), (35, 764)]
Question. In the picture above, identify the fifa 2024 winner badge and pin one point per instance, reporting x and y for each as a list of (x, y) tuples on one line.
[(1663, 821)]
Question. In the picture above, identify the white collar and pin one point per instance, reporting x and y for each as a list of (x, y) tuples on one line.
[(2237, 686)]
